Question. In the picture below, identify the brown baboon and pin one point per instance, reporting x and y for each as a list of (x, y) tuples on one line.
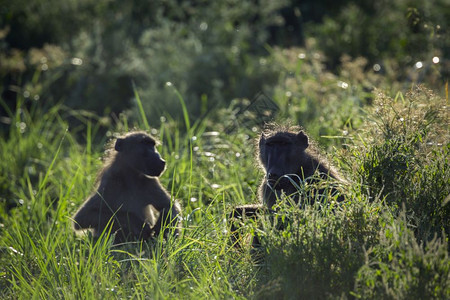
[(129, 192), (287, 162)]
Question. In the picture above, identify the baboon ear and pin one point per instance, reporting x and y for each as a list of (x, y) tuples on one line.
[(118, 145), (302, 139)]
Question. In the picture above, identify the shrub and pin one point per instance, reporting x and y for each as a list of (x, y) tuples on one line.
[(315, 252), (210, 52), (406, 31), (404, 158), (399, 267)]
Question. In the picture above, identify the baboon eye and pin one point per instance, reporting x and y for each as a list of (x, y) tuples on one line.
[(277, 143)]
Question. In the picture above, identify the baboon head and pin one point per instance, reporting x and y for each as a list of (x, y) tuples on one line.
[(136, 151), (280, 154)]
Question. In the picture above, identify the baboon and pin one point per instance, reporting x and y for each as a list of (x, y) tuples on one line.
[(129, 193), (287, 162)]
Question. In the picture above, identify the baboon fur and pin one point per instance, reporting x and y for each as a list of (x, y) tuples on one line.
[(288, 161), (129, 192)]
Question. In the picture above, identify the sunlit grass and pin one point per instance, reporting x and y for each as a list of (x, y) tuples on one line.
[(370, 246)]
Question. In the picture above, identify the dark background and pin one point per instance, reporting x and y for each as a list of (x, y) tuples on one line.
[(86, 54)]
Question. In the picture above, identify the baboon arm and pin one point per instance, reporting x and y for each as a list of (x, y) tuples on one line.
[(168, 217), (130, 225), (159, 199), (88, 216)]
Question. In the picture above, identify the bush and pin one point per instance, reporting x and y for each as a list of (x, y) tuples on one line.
[(405, 158), (401, 268), (318, 252), (210, 52), (402, 31)]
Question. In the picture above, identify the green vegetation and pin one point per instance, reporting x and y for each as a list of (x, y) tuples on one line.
[(388, 240), (86, 53), (203, 77)]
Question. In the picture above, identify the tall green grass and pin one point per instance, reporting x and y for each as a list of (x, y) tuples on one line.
[(388, 239)]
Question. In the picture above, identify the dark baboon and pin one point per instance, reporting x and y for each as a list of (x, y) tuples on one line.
[(129, 192), (287, 162)]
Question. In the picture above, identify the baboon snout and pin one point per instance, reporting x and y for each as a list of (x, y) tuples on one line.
[(162, 164)]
